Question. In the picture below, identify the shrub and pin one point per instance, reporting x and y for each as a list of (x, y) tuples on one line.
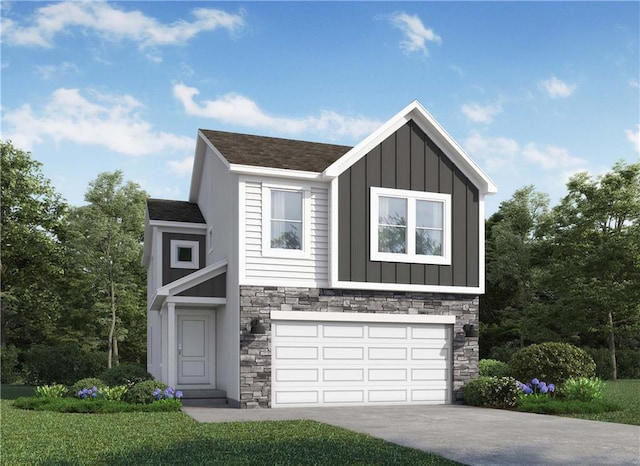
[(551, 361), (537, 388), (125, 374), (98, 406), (493, 368), (493, 392), (61, 364), (474, 391), (89, 382), (142, 392), (8, 363), (583, 389), (51, 391)]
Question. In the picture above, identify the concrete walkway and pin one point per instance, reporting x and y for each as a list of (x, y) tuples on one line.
[(469, 435)]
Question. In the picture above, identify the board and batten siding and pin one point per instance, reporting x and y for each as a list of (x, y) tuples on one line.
[(408, 159), (259, 267)]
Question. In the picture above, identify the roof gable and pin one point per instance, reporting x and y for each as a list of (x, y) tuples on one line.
[(416, 112), (263, 151)]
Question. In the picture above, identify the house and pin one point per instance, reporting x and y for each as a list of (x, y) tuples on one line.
[(307, 274)]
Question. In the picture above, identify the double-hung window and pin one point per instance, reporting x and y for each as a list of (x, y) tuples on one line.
[(410, 226), (285, 228)]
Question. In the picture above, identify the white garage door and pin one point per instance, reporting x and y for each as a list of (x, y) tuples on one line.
[(354, 363)]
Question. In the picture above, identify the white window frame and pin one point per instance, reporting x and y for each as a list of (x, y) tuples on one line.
[(194, 263), (411, 197), (267, 250)]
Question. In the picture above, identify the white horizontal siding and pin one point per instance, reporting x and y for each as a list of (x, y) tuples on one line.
[(259, 268)]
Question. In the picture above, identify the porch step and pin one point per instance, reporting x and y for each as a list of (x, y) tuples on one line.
[(204, 394)]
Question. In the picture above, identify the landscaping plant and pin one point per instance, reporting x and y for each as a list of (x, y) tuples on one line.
[(536, 387), (51, 391), (125, 374), (492, 368), (492, 392), (551, 361), (143, 392), (583, 389)]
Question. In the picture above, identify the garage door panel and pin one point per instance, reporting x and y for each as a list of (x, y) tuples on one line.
[(297, 330), (377, 331), (359, 363), (377, 396), (343, 375), (345, 353), (387, 374), (386, 353), (343, 396), (429, 332), (342, 331), (297, 375), (296, 352), (296, 397), (429, 374)]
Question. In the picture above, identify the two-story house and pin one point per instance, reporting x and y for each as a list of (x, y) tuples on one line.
[(308, 274)]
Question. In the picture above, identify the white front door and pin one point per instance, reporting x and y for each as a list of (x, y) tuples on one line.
[(195, 331)]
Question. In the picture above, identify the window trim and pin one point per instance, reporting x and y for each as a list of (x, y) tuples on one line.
[(410, 256), (267, 250), (194, 263)]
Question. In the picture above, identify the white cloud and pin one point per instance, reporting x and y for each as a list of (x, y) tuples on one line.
[(112, 23), (106, 120), (500, 152), (556, 88), (182, 167), (416, 35), (634, 83), (550, 157), (481, 114), (634, 138), (48, 71), (239, 110)]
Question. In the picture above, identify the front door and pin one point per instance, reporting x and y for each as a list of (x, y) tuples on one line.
[(194, 348)]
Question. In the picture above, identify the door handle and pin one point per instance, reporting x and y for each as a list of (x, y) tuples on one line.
[(180, 349)]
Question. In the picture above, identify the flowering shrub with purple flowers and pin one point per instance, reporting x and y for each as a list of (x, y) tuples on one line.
[(537, 388), (168, 393), (88, 393)]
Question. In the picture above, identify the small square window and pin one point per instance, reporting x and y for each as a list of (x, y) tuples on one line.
[(185, 254)]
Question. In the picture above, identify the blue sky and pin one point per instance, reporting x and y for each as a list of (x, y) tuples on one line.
[(534, 92)]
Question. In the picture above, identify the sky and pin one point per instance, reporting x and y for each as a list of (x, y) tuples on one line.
[(533, 91)]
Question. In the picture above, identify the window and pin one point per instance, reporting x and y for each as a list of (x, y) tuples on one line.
[(185, 254), (410, 226), (284, 219)]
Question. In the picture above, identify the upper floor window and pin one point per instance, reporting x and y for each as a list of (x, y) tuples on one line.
[(185, 254), (410, 226), (285, 220)]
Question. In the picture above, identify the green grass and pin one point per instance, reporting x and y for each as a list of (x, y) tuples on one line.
[(47, 438), (625, 393)]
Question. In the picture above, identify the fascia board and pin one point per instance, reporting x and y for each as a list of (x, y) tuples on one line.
[(196, 171), (178, 225), (275, 172)]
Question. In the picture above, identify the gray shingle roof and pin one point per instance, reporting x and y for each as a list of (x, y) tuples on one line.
[(174, 211), (263, 151)]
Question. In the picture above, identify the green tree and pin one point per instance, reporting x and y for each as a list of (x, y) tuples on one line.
[(105, 243), (31, 255), (593, 249), (510, 309)]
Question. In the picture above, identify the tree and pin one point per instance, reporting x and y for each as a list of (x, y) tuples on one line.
[(105, 242), (509, 311), (31, 256), (594, 257)]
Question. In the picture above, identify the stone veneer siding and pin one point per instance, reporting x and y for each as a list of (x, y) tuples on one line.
[(259, 301)]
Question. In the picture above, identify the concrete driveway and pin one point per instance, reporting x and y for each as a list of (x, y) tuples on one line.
[(469, 435)]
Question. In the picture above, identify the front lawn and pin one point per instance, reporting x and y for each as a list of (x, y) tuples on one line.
[(625, 393), (41, 437)]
